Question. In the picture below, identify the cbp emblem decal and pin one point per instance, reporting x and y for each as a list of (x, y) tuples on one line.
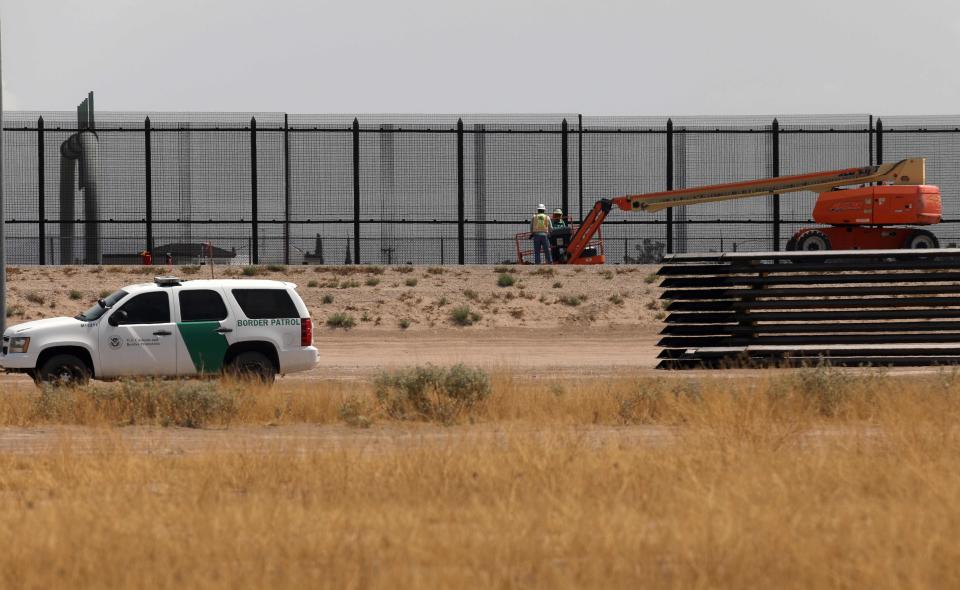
[(115, 342)]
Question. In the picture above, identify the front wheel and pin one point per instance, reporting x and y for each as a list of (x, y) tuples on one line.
[(813, 241), (63, 370), (252, 366)]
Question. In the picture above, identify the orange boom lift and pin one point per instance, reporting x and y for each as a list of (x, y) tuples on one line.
[(863, 218)]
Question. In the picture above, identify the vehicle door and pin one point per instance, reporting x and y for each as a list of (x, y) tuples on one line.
[(205, 328), (139, 337)]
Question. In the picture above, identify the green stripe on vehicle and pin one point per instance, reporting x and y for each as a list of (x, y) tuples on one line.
[(206, 346)]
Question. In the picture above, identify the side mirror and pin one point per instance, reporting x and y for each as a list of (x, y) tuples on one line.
[(117, 318)]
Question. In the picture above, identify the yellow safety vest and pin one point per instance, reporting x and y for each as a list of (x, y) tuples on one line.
[(540, 223)]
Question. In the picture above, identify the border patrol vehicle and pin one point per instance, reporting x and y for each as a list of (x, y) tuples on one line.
[(170, 328)]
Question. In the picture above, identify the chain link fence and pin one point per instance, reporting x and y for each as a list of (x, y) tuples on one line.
[(422, 189)]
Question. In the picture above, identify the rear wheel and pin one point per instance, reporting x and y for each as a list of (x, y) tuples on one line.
[(252, 366), (813, 240), (63, 370), (921, 238)]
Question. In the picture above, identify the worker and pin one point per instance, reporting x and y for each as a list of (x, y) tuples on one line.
[(540, 227), (559, 235), (557, 219)]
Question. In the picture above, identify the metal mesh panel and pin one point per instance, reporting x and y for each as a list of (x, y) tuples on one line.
[(201, 178)]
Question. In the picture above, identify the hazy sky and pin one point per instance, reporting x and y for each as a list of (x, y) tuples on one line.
[(600, 57)]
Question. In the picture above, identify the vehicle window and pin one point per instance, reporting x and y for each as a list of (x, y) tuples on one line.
[(202, 305), (101, 307), (147, 308), (259, 304)]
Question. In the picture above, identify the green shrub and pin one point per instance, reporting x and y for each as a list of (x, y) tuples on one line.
[(505, 280), (75, 295), (572, 300), (312, 283), (650, 278), (616, 299), (372, 282), (545, 271), (404, 323), (436, 270), (349, 284), (442, 301), (403, 269), (411, 282), (462, 316), (557, 285), (327, 299), (471, 294), (15, 310), (341, 320), (276, 267), (431, 393), (250, 271), (34, 297)]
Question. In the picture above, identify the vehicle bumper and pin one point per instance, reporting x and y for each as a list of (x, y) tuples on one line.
[(17, 362), (301, 359)]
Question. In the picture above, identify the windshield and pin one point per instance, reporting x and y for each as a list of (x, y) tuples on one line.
[(101, 307)]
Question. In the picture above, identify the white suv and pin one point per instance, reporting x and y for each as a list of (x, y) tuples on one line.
[(170, 328)]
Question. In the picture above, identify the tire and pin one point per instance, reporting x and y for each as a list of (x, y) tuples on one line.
[(63, 370), (791, 244), (921, 239), (813, 241), (252, 366)]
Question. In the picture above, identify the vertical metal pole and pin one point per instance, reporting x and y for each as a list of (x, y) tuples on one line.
[(3, 260), (286, 189), (670, 184), (564, 169), (775, 161), (254, 228), (41, 194), (879, 142), (148, 183), (870, 142), (579, 166), (356, 191), (461, 238)]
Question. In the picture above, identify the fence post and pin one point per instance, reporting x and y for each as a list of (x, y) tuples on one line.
[(286, 189), (879, 142), (148, 182), (670, 184), (870, 142), (775, 161), (461, 238), (579, 165), (564, 169), (356, 190), (41, 194), (254, 228)]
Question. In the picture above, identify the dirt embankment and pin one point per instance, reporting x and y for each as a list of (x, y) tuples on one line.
[(388, 299)]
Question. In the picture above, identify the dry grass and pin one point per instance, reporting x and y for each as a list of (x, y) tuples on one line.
[(814, 479)]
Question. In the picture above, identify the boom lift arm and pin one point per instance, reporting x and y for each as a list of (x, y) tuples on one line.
[(909, 171)]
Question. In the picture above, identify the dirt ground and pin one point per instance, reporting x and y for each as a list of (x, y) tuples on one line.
[(384, 299), (572, 320)]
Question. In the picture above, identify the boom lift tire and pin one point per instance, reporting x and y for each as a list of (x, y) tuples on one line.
[(813, 240), (921, 238)]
